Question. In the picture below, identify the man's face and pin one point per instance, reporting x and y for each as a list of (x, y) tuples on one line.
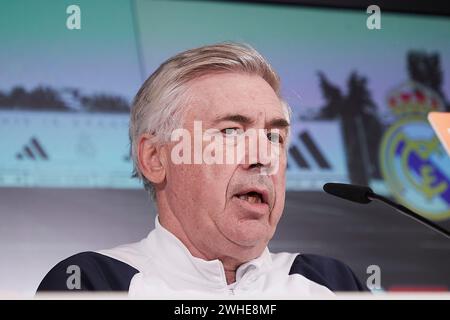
[(232, 208)]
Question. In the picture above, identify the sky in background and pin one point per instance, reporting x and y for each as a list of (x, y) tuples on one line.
[(38, 49), (299, 42)]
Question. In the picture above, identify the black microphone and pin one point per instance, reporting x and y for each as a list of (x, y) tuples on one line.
[(363, 194)]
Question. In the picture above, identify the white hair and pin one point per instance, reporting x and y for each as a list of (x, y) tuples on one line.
[(158, 106)]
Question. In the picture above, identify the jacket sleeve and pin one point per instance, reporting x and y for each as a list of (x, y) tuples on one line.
[(88, 271), (328, 272)]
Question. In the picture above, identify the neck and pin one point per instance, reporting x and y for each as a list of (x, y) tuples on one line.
[(230, 276), (170, 222), (230, 268), (230, 265)]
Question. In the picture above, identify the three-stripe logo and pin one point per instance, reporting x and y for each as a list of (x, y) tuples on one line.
[(306, 140), (32, 150)]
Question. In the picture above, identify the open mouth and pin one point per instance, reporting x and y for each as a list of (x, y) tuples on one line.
[(254, 196), (251, 197)]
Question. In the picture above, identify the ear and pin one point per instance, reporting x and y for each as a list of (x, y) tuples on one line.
[(149, 159)]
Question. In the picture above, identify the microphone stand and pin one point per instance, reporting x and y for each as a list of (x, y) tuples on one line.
[(404, 210)]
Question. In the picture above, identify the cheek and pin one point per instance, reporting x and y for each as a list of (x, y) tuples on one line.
[(218, 178), (280, 191), (200, 186), (180, 190)]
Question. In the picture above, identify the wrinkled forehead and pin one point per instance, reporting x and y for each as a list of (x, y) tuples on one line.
[(213, 96)]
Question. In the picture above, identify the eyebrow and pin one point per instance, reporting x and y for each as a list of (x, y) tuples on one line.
[(244, 120), (239, 118), (279, 123)]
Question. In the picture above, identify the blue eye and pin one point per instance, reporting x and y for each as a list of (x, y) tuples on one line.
[(232, 131), (275, 137)]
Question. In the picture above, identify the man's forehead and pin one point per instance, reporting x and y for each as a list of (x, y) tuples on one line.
[(244, 114), (250, 96)]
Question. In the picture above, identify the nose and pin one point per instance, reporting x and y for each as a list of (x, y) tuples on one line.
[(260, 153)]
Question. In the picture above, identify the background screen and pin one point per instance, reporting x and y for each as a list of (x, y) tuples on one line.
[(359, 99)]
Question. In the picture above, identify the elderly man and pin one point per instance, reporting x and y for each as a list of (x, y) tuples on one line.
[(219, 198)]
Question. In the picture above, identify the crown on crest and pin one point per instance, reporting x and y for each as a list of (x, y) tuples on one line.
[(413, 98)]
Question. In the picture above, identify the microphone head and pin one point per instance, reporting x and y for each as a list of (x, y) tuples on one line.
[(350, 192)]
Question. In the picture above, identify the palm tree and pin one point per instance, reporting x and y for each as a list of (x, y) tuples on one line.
[(361, 127)]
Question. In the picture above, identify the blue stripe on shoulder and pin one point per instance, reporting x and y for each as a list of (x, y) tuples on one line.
[(97, 273), (325, 271)]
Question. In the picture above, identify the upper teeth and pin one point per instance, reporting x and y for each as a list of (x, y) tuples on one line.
[(250, 198)]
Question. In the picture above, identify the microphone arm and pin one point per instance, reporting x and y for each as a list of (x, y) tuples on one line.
[(360, 194), (407, 212)]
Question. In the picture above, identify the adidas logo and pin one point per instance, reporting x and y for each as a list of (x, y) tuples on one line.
[(33, 150), (299, 159)]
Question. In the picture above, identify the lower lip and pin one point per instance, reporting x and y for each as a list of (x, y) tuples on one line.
[(260, 208)]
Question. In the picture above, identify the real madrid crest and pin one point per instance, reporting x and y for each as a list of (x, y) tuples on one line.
[(413, 163)]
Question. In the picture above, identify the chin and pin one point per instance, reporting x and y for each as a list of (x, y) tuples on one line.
[(250, 233)]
